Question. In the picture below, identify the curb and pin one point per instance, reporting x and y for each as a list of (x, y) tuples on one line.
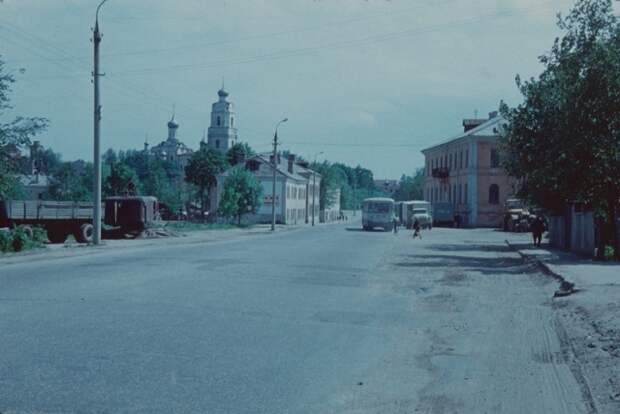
[(566, 288)]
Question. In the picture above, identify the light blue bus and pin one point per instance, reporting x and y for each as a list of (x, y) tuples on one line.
[(378, 212)]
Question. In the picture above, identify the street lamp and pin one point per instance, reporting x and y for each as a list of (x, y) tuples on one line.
[(96, 131), (314, 185), (275, 167)]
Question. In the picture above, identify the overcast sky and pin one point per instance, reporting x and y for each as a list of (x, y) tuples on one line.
[(366, 82)]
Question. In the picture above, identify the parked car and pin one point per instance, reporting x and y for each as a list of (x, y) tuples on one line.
[(516, 216)]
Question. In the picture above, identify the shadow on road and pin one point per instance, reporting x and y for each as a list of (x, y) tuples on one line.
[(485, 265), (469, 248)]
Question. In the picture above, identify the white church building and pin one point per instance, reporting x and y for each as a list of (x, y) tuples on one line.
[(222, 133)]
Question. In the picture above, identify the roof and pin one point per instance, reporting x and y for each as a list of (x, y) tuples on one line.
[(486, 129), (378, 199), (281, 167), (35, 180)]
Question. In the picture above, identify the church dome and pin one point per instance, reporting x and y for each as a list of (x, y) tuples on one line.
[(172, 124), (222, 93)]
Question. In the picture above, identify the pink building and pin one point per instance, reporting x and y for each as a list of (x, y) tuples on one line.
[(465, 172)]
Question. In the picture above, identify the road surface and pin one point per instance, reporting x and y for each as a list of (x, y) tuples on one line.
[(317, 320)]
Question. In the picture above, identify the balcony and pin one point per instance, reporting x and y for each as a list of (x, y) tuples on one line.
[(441, 172)]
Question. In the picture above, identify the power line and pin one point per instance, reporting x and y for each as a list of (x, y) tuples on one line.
[(310, 49)]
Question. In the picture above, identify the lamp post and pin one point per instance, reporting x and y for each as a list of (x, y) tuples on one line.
[(314, 185), (275, 168), (96, 131)]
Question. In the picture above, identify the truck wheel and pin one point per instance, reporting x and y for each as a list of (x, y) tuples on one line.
[(84, 234), (56, 235)]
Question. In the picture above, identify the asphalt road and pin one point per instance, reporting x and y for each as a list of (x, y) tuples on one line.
[(317, 320)]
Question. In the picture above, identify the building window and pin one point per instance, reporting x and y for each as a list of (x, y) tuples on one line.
[(232, 122), (494, 194), (465, 195), (217, 143), (461, 160), (494, 158), (219, 121), (466, 158)]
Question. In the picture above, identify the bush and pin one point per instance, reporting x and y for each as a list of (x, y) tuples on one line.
[(18, 239), (609, 252), (6, 240)]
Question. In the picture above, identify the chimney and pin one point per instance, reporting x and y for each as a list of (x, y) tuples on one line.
[(471, 123), (291, 162)]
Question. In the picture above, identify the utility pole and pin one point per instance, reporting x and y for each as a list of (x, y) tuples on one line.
[(275, 169), (314, 186), (97, 36)]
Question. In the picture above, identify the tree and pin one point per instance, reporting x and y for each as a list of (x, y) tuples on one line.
[(202, 171), (331, 180), (122, 181), (69, 184), (239, 152), (242, 194), (411, 188), (563, 142), (14, 134)]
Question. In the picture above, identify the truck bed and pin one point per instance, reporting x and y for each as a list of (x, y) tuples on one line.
[(28, 210)]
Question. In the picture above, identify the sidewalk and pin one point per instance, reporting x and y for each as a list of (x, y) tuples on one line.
[(585, 273), (590, 315)]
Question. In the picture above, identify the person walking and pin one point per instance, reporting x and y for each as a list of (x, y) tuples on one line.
[(416, 229), (395, 224), (538, 228)]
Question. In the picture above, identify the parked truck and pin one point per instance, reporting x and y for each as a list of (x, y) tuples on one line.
[(62, 218), (443, 214)]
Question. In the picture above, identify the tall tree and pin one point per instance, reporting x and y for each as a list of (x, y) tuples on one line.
[(14, 134), (70, 184), (563, 141), (122, 181), (202, 171), (411, 188), (238, 152), (242, 194)]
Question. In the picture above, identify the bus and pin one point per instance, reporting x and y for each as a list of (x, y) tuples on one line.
[(378, 212)]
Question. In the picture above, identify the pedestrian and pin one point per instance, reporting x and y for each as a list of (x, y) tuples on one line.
[(395, 224), (416, 229), (538, 228)]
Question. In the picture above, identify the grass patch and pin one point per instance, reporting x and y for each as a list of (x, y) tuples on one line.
[(187, 226)]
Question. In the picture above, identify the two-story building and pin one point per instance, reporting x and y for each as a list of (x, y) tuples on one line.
[(297, 189), (465, 171)]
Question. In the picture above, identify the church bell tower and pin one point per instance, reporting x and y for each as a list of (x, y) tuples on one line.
[(222, 133)]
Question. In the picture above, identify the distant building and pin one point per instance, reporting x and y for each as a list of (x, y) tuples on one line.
[(389, 187), (171, 150), (297, 190), (222, 133), (465, 171)]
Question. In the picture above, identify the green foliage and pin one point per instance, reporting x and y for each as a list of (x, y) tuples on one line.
[(356, 184), (203, 169), (18, 239), (332, 179), (563, 141), (242, 194), (238, 152), (411, 188), (72, 181), (122, 180), (14, 134)]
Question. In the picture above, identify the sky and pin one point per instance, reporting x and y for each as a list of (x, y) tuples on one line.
[(369, 82)]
